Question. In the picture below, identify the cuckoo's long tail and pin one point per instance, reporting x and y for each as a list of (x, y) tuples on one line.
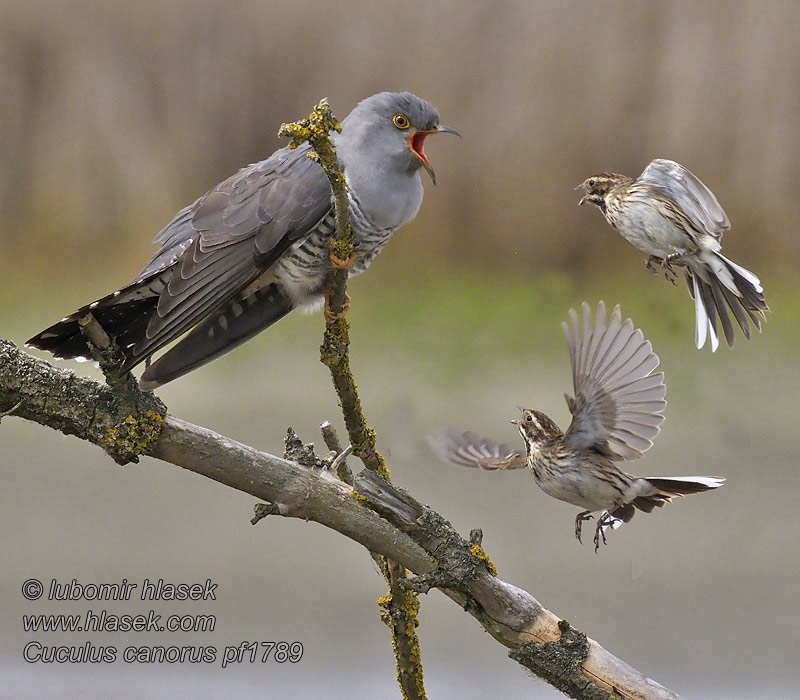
[(235, 323), (125, 316)]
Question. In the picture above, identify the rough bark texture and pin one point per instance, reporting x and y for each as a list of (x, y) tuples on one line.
[(378, 515)]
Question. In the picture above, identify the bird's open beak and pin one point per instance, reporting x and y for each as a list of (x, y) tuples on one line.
[(417, 140), (583, 199), (515, 421)]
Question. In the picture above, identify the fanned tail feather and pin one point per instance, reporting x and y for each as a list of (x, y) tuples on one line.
[(719, 287), (660, 490)]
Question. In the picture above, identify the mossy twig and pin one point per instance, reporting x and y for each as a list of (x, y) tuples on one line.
[(334, 352), (401, 604)]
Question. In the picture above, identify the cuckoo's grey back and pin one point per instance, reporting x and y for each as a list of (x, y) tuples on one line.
[(254, 247)]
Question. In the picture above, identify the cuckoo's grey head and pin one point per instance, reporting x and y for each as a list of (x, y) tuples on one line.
[(389, 130)]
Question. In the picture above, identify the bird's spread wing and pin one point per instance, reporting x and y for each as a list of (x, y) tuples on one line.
[(618, 402), (686, 189), (470, 450), (229, 237)]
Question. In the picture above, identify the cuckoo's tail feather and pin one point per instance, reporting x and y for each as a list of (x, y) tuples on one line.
[(723, 286), (235, 323), (123, 315)]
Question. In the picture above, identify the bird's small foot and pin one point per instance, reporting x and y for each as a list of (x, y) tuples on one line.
[(579, 518), (669, 272), (604, 521), (330, 317), (599, 534), (649, 265), (340, 264)]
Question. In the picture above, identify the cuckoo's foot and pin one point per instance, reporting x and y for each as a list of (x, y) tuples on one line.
[(330, 317), (579, 518), (340, 264), (650, 266)]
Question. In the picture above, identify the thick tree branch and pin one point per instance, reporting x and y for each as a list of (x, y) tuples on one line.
[(379, 516), (124, 424)]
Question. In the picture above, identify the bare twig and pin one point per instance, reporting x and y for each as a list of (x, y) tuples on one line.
[(262, 510), (339, 465), (11, 410), (110, 358)]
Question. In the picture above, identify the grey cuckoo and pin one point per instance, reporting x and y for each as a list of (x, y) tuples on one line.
[(254, 247)]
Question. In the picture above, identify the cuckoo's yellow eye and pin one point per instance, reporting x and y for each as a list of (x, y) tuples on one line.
[(401, 121)]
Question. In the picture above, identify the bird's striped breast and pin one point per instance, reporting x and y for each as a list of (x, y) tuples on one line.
[(302, 270)]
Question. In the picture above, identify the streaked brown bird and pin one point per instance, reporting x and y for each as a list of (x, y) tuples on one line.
[(668, 213), (616, 413)]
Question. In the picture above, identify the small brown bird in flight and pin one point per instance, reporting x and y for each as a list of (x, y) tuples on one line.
[(616, 413), (668, 213)]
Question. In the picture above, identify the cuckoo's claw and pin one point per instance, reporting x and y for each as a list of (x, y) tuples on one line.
[(340, 264), (330, 317)]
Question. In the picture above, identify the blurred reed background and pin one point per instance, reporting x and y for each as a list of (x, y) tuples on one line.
[(115, 115)]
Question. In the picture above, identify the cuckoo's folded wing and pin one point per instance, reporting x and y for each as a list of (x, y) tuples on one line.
[(230, 237), (210, 252)]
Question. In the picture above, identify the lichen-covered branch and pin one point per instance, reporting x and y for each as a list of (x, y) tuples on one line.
[(379, 516), (123, 423), (400, 605), (335, 350), (537, 639)]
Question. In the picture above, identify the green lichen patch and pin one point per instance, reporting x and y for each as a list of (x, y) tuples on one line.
[(402, 617), (314, 129), (133, 436), (480, 553)]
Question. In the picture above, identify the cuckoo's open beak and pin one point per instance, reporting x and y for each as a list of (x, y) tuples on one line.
[(417, 140)]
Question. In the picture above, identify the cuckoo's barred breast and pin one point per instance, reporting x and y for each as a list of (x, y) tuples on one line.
[(307, 265)]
